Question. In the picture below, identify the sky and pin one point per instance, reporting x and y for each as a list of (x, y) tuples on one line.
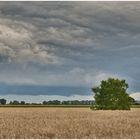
[(60, 50)]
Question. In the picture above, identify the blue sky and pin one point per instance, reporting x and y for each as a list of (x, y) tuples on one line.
[(63, 49)]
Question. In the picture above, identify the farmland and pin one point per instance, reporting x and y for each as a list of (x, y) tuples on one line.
[(68, 123)]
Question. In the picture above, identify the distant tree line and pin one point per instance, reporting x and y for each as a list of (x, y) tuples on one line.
[(50, 102), (56, 102), (70, 102), (15, 102)]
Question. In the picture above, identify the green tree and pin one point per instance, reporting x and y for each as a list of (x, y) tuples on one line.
[(15, 102), (2, 101), (10, 102), (111, 94), (22, 102), (44, 102)]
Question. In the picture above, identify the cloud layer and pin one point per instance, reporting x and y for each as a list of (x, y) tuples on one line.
[(69, 43)]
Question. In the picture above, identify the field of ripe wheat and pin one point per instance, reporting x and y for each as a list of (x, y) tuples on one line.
[(68, 123)]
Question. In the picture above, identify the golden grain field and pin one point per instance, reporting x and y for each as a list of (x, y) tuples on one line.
[(68, 123)]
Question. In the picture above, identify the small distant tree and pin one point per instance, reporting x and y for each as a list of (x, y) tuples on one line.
[(15, 102), (10, 102), (65, 102), (132, 100), (44, 102), (22, 102), (56, 102), (111, 94), (2, 101)]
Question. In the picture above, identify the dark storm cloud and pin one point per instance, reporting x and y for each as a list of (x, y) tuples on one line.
[(69, 43)]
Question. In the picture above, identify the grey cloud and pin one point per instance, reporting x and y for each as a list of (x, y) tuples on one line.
[(46, 41)]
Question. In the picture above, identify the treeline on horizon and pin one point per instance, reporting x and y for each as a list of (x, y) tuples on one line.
[(50, 102), (54, 102)]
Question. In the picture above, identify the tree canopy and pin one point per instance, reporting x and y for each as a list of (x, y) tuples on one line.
[(2, 101), (111, 94)]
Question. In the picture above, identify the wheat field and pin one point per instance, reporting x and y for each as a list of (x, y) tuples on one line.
[(43, 123)]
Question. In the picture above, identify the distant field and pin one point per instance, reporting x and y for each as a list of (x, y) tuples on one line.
[(68, 123)]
